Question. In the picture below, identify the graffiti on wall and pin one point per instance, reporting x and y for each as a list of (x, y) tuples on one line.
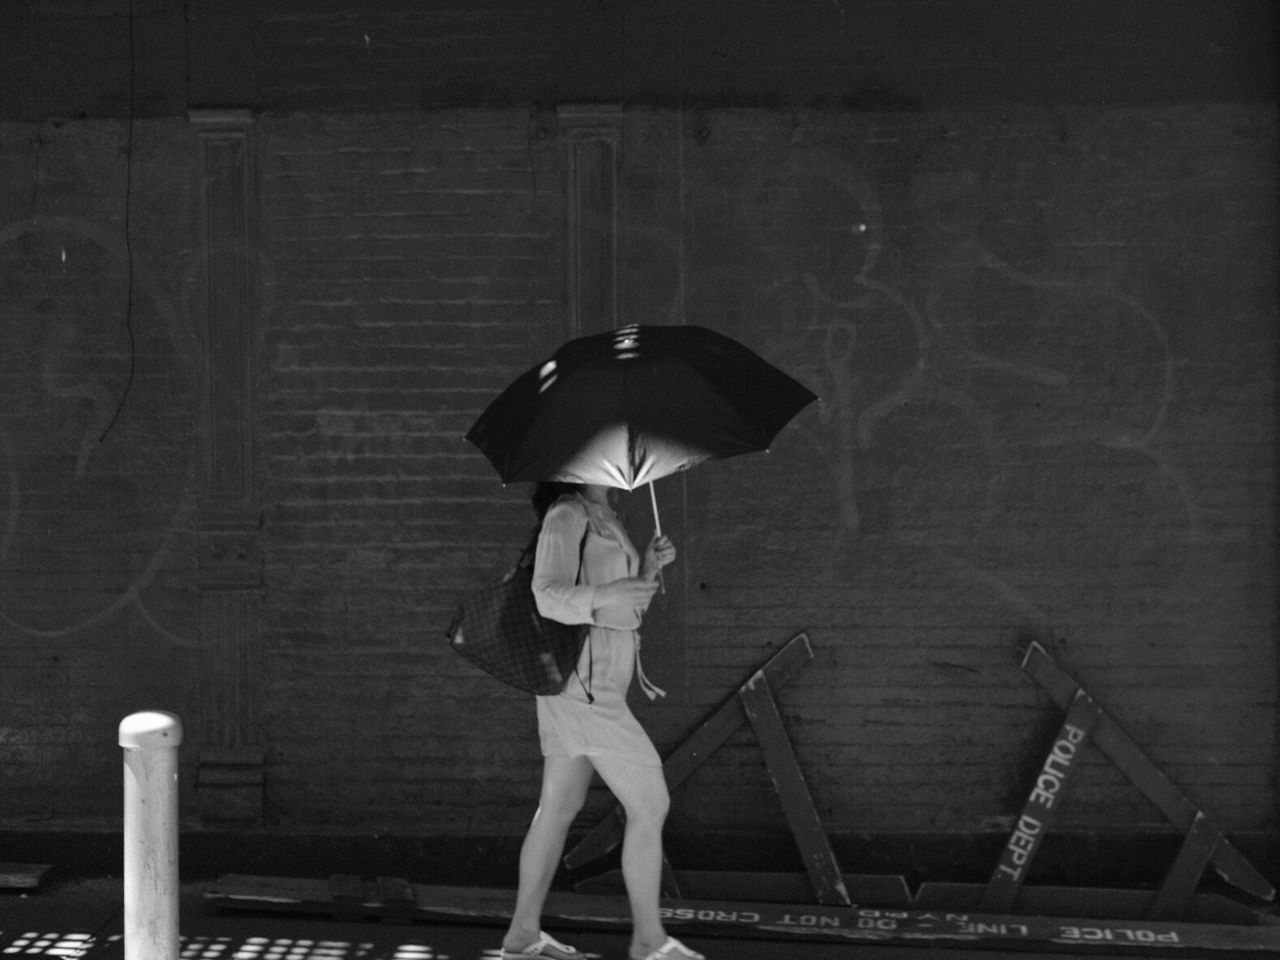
[(957, 388), (961, 392), (96, 447)]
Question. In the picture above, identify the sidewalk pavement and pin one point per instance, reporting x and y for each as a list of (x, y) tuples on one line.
[(84, 918)]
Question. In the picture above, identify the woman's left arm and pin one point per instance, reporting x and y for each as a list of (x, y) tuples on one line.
[(556, 590)]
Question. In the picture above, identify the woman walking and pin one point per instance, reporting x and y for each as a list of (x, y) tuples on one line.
[(587, 571)]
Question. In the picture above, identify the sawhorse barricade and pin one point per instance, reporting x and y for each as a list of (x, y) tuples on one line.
[(752, 703), (1085, 722), (1203, 844), (827, 905)]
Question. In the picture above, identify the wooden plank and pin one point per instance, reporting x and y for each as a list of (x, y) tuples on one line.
[(670, 881), (710, 735), (1040, 808), (797, 804), (397, 898), (23, 876), (1184, 876), (1111, 739), (819, 923), (281, 894), (803, 922), (879, 890), (599, 840), (347, 896), (715, 731), (1101, 903)]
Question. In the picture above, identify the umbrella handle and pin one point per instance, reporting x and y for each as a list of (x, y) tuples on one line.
[(657, 531)]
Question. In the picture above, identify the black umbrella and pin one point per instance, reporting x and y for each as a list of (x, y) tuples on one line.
[(628, 407)]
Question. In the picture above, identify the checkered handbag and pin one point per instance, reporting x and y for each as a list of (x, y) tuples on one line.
[(499, 629)]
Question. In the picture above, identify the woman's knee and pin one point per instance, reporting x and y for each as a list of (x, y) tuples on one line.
[(648, 806), (642, 790)]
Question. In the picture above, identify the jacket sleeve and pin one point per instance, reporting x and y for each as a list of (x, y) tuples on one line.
[(556, 590)]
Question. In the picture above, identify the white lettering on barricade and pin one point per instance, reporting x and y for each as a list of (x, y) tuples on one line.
[(714, 916), (1056, 765), (1029, 831), (997, 929), (886, 924), (808, 920), (1017, 852), (877, 923), (1119, 934)]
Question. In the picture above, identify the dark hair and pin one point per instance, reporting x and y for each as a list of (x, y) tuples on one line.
[(547, 492)]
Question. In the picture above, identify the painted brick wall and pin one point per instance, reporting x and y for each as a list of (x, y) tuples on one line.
[(1044, 345), (994, 310), (1024, 329), (413, 267), (97, 608)]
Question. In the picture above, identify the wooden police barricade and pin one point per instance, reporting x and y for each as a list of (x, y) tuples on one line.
[(1203, 844), (813, 923), (1004, 913)]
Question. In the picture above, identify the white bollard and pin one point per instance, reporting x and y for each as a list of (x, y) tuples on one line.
[(150, 740)]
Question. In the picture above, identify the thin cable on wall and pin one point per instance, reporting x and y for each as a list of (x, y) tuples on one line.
[(128, 235)]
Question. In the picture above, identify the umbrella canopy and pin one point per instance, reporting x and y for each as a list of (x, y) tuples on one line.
[(628, 407)]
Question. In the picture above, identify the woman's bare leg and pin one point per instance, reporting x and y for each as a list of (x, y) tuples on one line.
[(642, 791), (564, 789)]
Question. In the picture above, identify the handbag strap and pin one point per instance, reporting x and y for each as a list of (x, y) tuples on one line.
[(527, 559)]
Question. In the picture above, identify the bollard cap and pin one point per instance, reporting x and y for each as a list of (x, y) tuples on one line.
[(150, 729)]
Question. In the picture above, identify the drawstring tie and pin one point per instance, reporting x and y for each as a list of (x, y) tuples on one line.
[(651, 690), (591, 672)]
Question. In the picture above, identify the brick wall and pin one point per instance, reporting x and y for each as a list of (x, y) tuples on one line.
[(1017, 323), (414, 267), (1044, 346), (96, 438)]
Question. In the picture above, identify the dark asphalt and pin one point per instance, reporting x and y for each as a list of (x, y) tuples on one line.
[(77, 919)]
